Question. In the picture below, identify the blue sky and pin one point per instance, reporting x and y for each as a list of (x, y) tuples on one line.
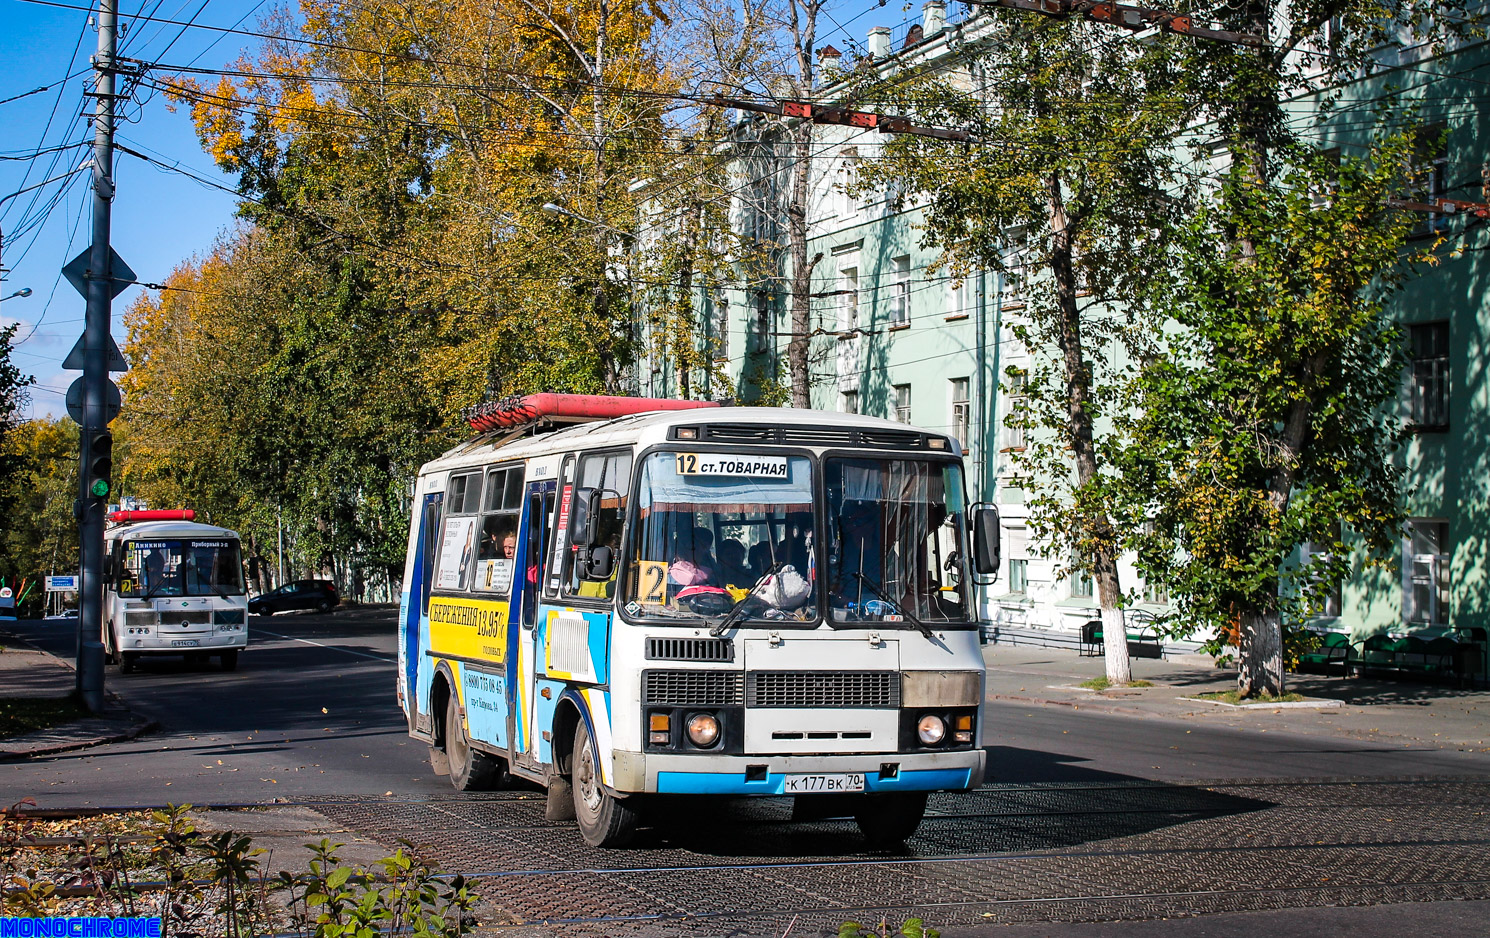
[(160, 217)]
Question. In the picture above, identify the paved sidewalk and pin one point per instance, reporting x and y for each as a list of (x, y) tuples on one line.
[(1411, 713), (30, 672)]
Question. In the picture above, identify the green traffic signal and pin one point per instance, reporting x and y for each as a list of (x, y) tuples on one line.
[(100, 463)]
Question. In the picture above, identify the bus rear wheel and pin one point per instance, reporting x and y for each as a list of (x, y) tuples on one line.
[(470, 769), (604, 820), (887, 819)]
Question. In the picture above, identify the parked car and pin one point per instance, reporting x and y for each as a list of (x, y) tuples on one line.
[(320, 595)]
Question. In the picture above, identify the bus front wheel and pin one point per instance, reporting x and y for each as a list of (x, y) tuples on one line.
[(604, 820), (887, 819), (470, 769)]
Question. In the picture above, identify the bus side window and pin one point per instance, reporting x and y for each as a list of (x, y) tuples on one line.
[(604, 481), (540, 507), (557, 545)]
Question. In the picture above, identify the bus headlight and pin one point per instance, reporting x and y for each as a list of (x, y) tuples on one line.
[(703, 729), (931, 729)]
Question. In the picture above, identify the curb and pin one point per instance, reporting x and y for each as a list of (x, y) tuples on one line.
[(1288, 705), (1073, 704), (9, 753)]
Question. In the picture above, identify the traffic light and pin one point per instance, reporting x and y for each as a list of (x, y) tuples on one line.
[(100, 463)]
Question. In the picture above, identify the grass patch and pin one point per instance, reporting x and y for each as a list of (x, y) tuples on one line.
[(1102, 683), (1232, 697), (23, 714)]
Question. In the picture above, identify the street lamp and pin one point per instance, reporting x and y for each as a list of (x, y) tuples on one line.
[(23, 291), (553, 208)]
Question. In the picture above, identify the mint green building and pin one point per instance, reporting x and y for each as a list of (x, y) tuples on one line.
[(896, 335)]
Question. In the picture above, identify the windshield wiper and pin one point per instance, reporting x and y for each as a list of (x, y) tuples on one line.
[(737, 611), (874, 588)]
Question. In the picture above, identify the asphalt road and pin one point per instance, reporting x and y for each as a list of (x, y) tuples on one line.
[(311, 711), (1088, 817)]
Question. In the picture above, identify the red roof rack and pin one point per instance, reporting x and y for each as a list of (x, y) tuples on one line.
[(514, 412), (153, 514)]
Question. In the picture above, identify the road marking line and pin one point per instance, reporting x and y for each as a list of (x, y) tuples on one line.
[(291, 638)]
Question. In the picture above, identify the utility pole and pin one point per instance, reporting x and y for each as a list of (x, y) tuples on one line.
[(96, 444)]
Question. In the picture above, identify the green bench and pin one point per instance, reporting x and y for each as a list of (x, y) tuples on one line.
[(1334, 648), (1443, 656), (1143, 641)]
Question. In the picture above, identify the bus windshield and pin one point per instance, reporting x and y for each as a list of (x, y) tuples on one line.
[(180, 567), (896, 535), (712, 526)]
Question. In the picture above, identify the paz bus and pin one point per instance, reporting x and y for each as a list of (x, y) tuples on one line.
[(172, 586), (620, 598)]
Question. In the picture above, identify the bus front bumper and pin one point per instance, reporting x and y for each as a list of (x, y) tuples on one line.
[(696, 774), (151, 645)]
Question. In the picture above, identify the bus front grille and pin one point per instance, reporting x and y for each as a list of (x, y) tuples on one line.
[(690, 649), (823, 689), (140, 618), (693, 688)]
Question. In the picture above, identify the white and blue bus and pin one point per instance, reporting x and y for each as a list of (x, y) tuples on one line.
[(689, 600)]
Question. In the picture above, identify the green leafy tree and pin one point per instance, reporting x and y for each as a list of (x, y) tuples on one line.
[(1282, 302), (1071, 193)]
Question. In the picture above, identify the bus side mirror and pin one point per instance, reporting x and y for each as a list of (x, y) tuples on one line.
[(600, 563), (582, 528), (986, 554)]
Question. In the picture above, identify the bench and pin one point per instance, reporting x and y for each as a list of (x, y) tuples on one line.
[(1334, 648), (1143, 641), (1435, 657)]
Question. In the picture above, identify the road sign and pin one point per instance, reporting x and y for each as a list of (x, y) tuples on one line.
[(62, 584), (74, 359), (78, 274), (111, 401)]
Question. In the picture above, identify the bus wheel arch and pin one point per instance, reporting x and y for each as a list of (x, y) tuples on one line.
[(567, 718), (439, 696)]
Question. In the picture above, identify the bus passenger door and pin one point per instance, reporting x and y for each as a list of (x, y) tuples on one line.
[(538, 510), (413, 625)]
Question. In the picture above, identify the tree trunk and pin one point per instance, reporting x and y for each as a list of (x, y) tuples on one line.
[(803, 32), (1261, 665), (1097, 528)]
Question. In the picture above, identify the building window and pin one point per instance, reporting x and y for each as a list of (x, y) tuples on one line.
[(1326, 589), (1430, 163), (1156, 594), (1014, 410), (1425, 576), (848, 204), (848, 324), (900, 297), (957, 293), (1081, 580), (1428, 369), (902, 403), (962, 413), (721, 328), (1019, 576), (849, 402)]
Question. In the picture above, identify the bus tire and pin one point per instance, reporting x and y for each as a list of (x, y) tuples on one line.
[(470, 769), (111, 648), (127, 661), (229, 660), (887, 819), (604, 820)]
